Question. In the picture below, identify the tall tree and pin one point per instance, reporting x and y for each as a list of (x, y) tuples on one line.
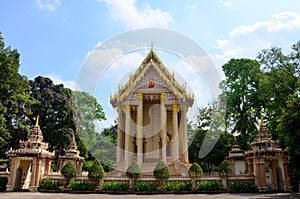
[(54, 107), (281, 88), (14, 98), (241, 88)]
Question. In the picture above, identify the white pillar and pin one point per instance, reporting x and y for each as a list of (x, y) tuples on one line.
[(139, 130), (127, 134), (163, 118), (175, 134), (184, 140), (119, 139)]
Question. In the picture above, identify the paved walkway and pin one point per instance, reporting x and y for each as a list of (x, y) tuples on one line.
[(29, 195)]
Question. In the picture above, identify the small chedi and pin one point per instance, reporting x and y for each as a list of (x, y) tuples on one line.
[(29, 162)]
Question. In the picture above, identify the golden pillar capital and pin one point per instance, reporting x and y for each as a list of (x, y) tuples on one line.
[(140, 96), (127, 108), (162, 96), (175, 107)]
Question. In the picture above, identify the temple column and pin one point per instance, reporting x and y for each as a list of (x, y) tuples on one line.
[(139, 130), (127, 134), (184, 140), (10, 179), (175, 134), (163, 118), (119, 144)]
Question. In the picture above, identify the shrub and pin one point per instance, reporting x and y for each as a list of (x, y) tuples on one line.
[(3, 182), (115, 186), (82, 186), (134, 171), (195, 171), (69, 171), (96, 172), (177, 186), (209, 186), (161, 172), (243, 187), (225, 168), (144, 186), (48, 184)]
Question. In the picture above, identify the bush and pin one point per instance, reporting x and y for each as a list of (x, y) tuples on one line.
[(177, 186), (69, 171), (115, 186), (134, 171), (243, 187), (96, 172), (144, 186), (3, 182), (195, 171), (209, 186), (161, 172), (48, 184), (82, 186)]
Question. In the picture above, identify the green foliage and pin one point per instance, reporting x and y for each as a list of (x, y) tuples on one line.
[(69, 171), (209, 186), (197, 136), (82, 186), (14, 100), (48, 184), (161, 171), (134, 171), (243, 187), (115, 186), (195, 171), (144, 186), (3, 182), (225, 168), (243, 102), (96, 171), (178, 186)]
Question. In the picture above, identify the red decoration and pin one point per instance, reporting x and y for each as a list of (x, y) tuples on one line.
[(151, 83)]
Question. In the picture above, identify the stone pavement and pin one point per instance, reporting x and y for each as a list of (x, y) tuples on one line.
[(37, 195)]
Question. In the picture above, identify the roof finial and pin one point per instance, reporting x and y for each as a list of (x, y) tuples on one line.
[(37, 121), (261, 120), (151, 45)]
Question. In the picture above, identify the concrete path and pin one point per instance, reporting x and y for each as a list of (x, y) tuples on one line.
[(29, 195)]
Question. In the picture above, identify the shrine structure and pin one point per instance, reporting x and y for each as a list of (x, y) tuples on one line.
[(152, 118), (29, 162)]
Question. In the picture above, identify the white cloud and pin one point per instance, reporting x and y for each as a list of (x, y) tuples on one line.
[(67, 83), (281, 30), (134, 18), (226, 3), (192, 8), (50, 5)]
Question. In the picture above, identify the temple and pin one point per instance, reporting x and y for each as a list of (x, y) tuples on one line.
[(152, 118)]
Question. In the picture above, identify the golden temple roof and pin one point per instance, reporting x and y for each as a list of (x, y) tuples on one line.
[(139, 80)]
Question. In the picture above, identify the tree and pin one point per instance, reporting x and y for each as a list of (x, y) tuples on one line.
[(221, 141), (280, 88), (161, 172), (69, 171), (243, 102), (195, 172), (224, 169), (54, 107), (96, 172), (133, 172), (14, 99)]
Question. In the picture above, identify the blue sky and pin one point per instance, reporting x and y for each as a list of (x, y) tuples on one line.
[(55, 37)]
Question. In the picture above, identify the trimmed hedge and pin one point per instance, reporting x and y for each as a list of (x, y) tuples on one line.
[(115, 186), (242, 187), (144, 186), (177, 186), (82, 186), (209, 186), (48, 184)]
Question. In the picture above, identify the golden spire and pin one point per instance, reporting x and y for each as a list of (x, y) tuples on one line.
[(261, 120), (37, 121)]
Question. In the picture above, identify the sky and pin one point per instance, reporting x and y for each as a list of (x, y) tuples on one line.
[(60, 38)]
